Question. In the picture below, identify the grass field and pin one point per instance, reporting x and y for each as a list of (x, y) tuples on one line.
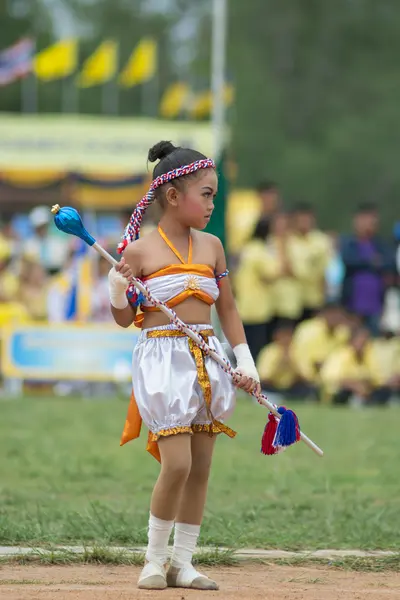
[(64, 479)]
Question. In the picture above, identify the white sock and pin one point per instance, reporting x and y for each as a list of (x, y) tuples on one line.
[(159, 534), (185, 541)]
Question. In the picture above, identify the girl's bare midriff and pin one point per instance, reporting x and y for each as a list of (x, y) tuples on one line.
[(192, 311)]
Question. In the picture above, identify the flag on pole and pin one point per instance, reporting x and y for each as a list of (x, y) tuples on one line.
[(202, 104), (101, 66), (57, 61), (174, 100), (142, 64), (16, 61), (70, 294)]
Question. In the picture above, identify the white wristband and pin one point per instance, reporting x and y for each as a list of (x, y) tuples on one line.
[(245, 362), (117, 286)]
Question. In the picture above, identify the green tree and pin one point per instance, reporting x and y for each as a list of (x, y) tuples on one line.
[(317, 86)]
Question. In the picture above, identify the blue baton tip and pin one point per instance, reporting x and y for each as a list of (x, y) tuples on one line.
[(68, 220)]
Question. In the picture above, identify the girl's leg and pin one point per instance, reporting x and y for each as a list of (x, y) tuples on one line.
[(176, 462), (190, 515), (175, 454), (193, 500)]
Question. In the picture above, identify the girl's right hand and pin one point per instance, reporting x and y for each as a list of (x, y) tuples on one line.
[(118, 283), (123, 269)]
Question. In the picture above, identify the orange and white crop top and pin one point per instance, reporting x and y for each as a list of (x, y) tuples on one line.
[(175, 283)]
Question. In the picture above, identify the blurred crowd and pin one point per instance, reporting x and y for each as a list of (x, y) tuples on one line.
[(321, 311), (40, 273)]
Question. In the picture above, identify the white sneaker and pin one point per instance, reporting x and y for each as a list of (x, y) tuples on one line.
[(152, 577), (188, 577)]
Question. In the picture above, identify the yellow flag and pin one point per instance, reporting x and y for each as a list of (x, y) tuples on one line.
[(174, 100), (142, 64), (101, 66), (56, 61), (202, 105)]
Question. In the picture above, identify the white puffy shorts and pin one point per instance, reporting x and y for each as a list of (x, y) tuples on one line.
[(177, 388)]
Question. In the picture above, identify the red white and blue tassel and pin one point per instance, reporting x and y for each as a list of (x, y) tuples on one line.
[(280, 433), (134, 297)]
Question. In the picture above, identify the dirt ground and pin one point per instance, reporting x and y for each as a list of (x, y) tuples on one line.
[(247, 582)]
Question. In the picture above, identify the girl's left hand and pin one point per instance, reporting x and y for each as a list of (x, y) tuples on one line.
[(247, 384)]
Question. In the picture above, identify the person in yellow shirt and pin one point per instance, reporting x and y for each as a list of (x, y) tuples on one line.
[(281, 369), (261, 205), (316, 250), (268, 193), (11, 311), (8, 280), (257, 271), (352, 374), (394, 380), (33, 289), (287, 294), (315, 339), (387, 348)]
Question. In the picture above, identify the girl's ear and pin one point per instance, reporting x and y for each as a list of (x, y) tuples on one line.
[(171, 196)]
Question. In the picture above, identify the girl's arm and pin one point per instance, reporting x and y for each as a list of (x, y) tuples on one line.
[(233, 329), (118, 280)]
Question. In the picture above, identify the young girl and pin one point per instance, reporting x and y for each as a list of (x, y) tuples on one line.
[(183, 397)]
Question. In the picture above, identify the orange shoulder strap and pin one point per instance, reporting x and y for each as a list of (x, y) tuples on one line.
[(174, 250)]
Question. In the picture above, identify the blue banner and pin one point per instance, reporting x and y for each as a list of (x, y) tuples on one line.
[(53, 352)]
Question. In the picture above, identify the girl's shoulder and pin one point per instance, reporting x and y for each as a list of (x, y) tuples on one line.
[(142, 244), (137, 253), (205, 238)]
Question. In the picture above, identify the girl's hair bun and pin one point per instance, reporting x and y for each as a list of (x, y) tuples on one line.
[(160, 150)]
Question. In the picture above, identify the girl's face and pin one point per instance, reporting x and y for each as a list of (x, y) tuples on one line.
[(195, 203)]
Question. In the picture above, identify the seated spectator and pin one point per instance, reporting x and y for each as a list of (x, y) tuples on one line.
[(334, 272), (352, 374), (316, 249), (257, 270), (8, 279), (268, 193), (394, 380), (33, 289), (11, 311), (281, 369), (315, 339), (368, 262), (9, 235), (47, 246), (387, 348), (391, 311), (101, 311), (287, 289), (353, 320)]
